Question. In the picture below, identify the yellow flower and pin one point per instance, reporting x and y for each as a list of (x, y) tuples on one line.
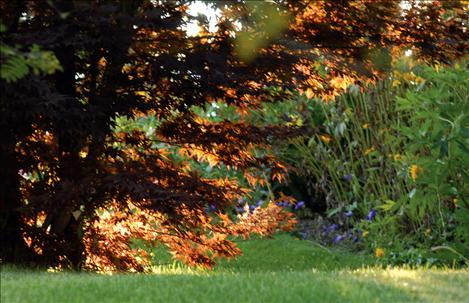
[(379, 252), (397, 157), (414, 170), (365, 233), (325, 138), (383, 130), (366, 126), (409, 76), (369, 150), (419, 80)]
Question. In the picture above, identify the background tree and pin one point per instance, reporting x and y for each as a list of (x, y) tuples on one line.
[(62, 158)]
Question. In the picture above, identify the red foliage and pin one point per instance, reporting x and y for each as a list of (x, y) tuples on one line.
[(199, 239)]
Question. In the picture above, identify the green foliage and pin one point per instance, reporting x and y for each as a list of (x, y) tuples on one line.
[(17, 64), (436, 145), (349, 158), (402, 149)]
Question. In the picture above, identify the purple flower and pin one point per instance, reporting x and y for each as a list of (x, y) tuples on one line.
[(347, 177), (331, 228), (371, 215), (210, 208), (299, 205), (348, 214), (240, 209), (338, 239), (259, 203)]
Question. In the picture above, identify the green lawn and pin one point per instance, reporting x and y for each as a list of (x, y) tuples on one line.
[(282, 269)]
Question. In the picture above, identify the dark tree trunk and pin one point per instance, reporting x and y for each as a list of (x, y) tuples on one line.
[(65, 229), (13, 248)]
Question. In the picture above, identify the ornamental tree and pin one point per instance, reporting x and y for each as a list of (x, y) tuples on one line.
[(62, 160)]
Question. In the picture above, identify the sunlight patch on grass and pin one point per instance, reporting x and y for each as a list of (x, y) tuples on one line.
[(178, 269)]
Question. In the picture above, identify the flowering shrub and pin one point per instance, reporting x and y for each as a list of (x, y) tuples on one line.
[(435, 140), (391, 163), (432, 163)]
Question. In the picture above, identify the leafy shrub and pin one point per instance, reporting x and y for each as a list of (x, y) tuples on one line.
[(436, 152), (16, 64), (399, 149)]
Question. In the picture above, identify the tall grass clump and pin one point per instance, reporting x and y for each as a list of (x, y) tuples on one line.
[(348, 157), (391, 164)]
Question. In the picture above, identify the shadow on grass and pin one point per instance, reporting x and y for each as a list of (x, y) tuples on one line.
[(285, 253)]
